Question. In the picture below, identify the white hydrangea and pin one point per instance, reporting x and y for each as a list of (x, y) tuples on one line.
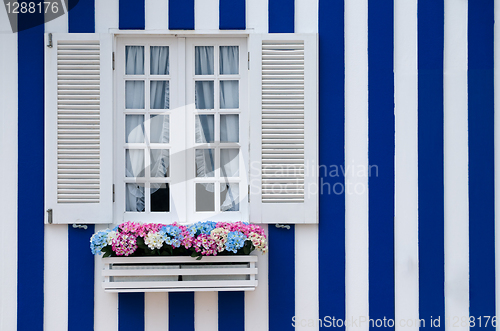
[(154, 240), (111, 235)]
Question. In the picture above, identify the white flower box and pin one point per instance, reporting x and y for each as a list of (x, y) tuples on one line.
[(180, 273)]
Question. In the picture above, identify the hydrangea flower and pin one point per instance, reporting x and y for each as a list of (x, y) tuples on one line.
[(235, 240), (98, 241), (154, 240), (124, 244)]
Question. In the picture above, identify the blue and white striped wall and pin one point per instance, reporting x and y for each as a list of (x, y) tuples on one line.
[(407, 90)]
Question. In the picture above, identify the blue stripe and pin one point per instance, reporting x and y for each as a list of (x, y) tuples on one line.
[(281, 16), (80, 280), (481, 161), (131, 311), (231, 311), (181, 311), (381, 160), (331, 158), (281, 277), (181, 14), (30, 212), (81, 18), (430, 160), (132, 15), (232, 15)]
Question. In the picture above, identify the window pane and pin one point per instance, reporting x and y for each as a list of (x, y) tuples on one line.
[(229, 197), (205, 197), (134, 197), (204, 60), (135, 163), (160, 129), (229, 128), (134, 60), (204, 159), (229, 162), (159, 162), (159, 95), (229, 60), (229, 94), (204, 94), (159, 60), (160, 197), (204, 128), (134, 128), (134, 94)]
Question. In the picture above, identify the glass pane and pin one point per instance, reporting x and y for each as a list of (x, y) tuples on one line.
[(229, 162), (134, 60), (229, 94), (204, 94), (229, 128), (134, 197), (204, 128), (159, 60), (160, 130), (229, 60), (159, 95), (134, 128), (134, 94), (205, 162), (134, 163), (204, 60), (229, 197), (205, 197), (160, 162), (160, 197)]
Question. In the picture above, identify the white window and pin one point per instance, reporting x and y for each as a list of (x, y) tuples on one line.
[(181, 128)]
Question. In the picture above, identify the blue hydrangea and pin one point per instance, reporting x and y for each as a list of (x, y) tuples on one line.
[(172, 235), (98, 241), (235, 240)]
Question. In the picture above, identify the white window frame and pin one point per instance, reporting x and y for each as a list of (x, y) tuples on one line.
[(182, 115)]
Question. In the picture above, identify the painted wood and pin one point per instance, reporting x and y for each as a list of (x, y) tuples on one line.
[(281, 16), (306, 16), (257, 15), (406, 172), (356, 157), (231, 313), (156, 311), (206, 311), (8, 150), (497, 152), (181, 311), (206, 14), (132, 14), (156, 15), (181, 14), (81, 18), (232, 14), (106, 15), (456, 202)]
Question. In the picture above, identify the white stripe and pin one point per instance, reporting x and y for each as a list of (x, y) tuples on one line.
[(105, 304), (56, 259), (406, 170), (306, 276), (8, 197), (306, 16), (257, 15), (206, 311), (156, 311), (456, 189), (256, 302), (206, 14), (106, 15), (156, 15), (497, 157), (356, 158)]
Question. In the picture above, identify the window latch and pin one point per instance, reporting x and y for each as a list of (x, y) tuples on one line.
[(248, 60), (113, 192), (113, 56)]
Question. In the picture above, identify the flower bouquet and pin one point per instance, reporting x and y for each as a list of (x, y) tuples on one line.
[(196, 240)]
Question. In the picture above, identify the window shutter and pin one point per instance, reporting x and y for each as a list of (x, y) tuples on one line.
[(78, 128), (283, 128)]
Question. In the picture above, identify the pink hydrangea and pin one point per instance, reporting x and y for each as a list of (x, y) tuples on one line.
[(124, 244)]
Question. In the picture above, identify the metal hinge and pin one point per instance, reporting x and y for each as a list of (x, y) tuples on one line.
[(113, 64), (113, 192), (49, 45), (248, 60), (248, 193), (49, 216)]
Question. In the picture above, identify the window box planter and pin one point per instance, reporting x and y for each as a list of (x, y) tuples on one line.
[(180, 273)]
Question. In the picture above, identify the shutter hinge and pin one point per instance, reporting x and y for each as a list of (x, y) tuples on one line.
[(248, 193), (113, 64), (113, 192), (49, 216), (248, 60), (49, 45)]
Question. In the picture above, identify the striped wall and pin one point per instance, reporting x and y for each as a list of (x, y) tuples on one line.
[(406, 232)]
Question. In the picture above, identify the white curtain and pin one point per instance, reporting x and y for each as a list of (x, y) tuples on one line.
[(134, 124), (228, 61), (229, 128)]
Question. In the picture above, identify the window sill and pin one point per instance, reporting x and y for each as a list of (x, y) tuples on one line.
[(180, 273)]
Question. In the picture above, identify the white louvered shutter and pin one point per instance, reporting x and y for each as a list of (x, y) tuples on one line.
[(283, 128), (78, 128)]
